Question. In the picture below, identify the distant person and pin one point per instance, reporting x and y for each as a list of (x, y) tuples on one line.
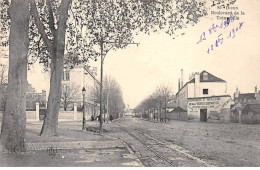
[(111, 117), (161, 120)]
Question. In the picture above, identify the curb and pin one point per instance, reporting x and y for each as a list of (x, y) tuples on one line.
[(130, 150)]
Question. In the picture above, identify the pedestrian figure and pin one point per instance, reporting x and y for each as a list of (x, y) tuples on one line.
[(161, 120), (111, 117)]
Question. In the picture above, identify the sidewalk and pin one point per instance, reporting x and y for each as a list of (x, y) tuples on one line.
[(74, 148)]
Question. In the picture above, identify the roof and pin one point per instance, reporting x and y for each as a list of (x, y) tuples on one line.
[(170, 105), (237, 106), (211, 78), (233, 106), (178, 109), (253, 107), (246, 95)]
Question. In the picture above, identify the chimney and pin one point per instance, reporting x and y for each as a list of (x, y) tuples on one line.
[(179, 85), (236, 93), (197, 85), (255, 91), (181, 78)]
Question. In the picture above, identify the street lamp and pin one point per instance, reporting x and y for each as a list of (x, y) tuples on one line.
[(84, 119)]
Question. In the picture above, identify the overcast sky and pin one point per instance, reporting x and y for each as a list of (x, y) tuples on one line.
[(159, 58)]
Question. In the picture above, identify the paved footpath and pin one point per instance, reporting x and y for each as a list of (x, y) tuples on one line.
[(74, 145), (74, 148)]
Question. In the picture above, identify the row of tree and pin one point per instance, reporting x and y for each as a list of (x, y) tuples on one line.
[(38, 29), (156, 103), (113, 103)]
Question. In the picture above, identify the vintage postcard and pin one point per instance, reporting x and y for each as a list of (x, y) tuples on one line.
[(129, 83)]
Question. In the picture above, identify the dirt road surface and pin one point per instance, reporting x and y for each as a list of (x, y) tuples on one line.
[(184, 143)]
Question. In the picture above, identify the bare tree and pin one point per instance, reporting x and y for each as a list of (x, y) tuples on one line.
[(164, 92), (158, 99), (70, 94), (112, 97)]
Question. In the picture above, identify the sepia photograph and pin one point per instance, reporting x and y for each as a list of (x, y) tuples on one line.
[(129, 83)]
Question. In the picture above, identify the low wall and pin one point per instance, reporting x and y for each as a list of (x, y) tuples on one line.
[(31, 116), (73, 116), (66, 116)]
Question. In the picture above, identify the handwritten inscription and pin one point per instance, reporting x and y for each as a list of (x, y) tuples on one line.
[(216, 28), (220, 38)]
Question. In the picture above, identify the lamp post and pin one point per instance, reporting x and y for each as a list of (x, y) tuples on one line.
[(84, 118)]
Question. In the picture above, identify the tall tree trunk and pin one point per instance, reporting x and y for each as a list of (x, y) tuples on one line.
[(14, 119), (50, 125)]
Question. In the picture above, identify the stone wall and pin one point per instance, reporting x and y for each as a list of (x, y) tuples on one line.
[(30, 115)]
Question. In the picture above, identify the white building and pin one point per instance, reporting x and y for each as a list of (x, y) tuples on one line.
[(204, 96), (81, 76)]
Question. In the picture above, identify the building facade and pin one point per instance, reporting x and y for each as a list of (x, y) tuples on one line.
[(78, 77), (251, 114), (204, 97), (240, 101)]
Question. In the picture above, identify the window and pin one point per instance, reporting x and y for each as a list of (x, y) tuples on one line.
[(205, 76), (67, 75), (205, 91)]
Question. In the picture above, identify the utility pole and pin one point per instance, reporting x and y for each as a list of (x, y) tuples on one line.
[(101, 42), (107, 105), (94, 101), (101, 85)]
